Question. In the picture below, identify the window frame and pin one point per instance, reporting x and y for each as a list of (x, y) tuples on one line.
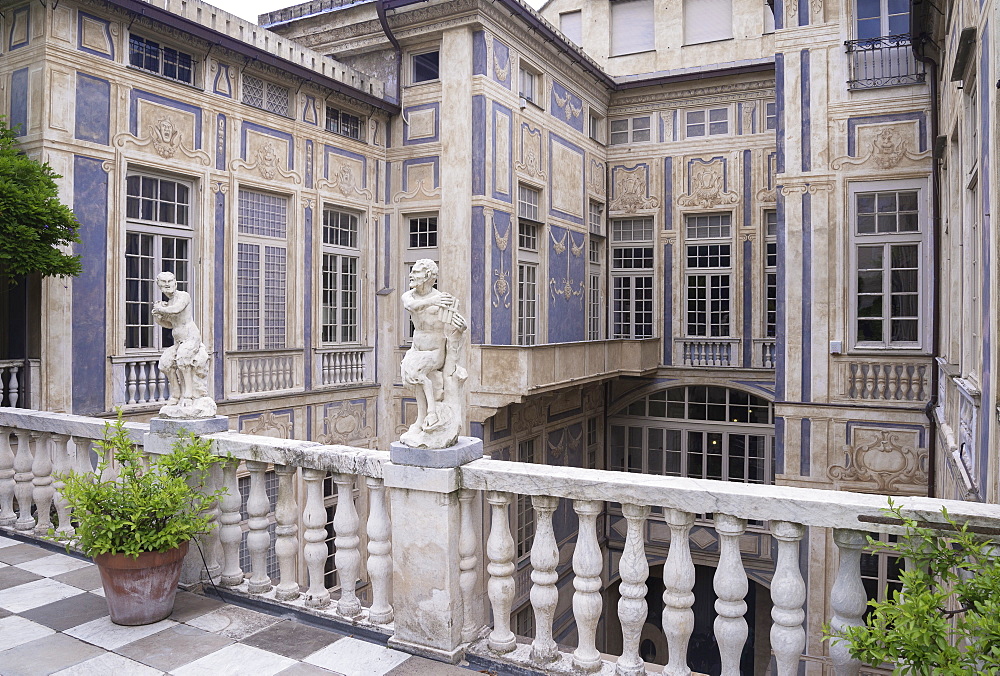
[(267, 84), (770, 286), (713, 330), (707, 122), (630, 130), (193, 65), (341, 112), (158, 230), (436, 49), (921, 238), (341, 252), (616, 305), (528, 72)]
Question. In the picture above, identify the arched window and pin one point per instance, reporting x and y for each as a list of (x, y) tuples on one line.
[(698, 431)]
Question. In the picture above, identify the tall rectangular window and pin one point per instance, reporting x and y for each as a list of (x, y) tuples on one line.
[(708, 282), (770, 273), (340, 293), (632, 27), (528, 83), (888, 243), (527, 303), (632, 278), (596, 218), (527, 202), (261, 271), (157, 239)]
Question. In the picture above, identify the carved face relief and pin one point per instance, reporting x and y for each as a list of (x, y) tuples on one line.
[(166, 139)]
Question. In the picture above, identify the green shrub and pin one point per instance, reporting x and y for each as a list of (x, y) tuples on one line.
[(152, 506), (946, 620)]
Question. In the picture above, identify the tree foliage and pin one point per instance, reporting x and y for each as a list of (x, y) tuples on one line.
[(33, 222), (147, 507), (946, 620)]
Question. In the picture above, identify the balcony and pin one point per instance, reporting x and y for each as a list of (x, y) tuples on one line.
[(434, 586), (885, 61), (508, 373)]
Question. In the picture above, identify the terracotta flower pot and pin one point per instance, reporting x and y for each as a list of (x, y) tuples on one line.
[(141, 590)]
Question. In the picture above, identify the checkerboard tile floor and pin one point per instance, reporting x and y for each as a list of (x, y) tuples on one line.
[(54, 620)]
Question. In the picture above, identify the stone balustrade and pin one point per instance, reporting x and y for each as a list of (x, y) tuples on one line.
[(707, 351), (433, 549)]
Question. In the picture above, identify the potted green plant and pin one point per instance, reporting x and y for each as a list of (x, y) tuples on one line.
[(137, 525)]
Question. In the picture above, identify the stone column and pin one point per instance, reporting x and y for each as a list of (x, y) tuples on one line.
[(426, 530), (163, 432)]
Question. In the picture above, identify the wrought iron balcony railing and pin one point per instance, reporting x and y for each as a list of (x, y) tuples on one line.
[(885, 61)]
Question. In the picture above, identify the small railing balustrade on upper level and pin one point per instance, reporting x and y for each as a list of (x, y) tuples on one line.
[(885, 61), (36, 447)]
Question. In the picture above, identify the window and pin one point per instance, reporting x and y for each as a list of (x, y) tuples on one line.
[(708, 282), (593, 442), (768, 17), (596, 217), (710, 122), (632, 278), (878, 18), (525, 526), (343, 123), (770, 115), (571, 25), (528, 83), (265, 95), (632, 27), (699, 431), (261, 271), (165, 61), (770, 273), (527, 203), (340, 279), (527, 303), (595, 313), (888, 249), (634, 130), (707, 21), (425, 66), (157, 239), (423, 232), (596, 127), (881, 571)]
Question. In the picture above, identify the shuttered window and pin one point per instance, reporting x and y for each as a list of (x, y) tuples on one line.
[(707, 21), (571, 25), (632, 27)]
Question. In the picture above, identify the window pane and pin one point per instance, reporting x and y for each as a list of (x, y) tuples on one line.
[(425, 67)]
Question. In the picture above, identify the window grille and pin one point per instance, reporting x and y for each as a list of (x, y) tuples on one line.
[(163, 61)]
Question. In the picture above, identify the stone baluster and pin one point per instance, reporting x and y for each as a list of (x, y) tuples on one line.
[(131, 375), (258, 539), (632, 608), (731, 587), (7, 514), (500, 551), (678, 579), (788, 594), (13, 391), (587, 601), (379, 552), (348, 556), (61, 463), (315, 551), (42, 490), (544, 594), (286, 544), (84, 447), (22, 480), (468, 575), (847, 598), (230, 532)]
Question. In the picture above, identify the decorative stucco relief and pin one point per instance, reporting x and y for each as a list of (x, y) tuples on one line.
[(266, 155), (165, 137), (501, 276), (567, 106), (567, 288), (346, 422), (667, 121), (279, 425), (562, 441), (707, 186), (343, 180), (888, 146), (746, 122), (631, 190), (531, 152), (596, 180), (886, 458)]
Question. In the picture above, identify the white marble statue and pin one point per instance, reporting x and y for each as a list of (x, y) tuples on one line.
[(431, 367), (185, 363)]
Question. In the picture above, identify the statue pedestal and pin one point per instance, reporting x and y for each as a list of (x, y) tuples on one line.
[(466, 450)]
